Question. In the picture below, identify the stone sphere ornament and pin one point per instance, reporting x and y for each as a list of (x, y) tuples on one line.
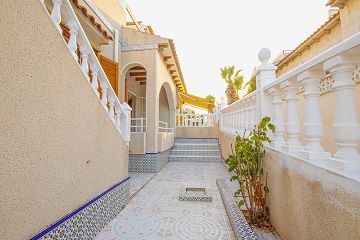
[(264, 55)]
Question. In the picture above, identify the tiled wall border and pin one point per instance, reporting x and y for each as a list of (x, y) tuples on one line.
[(149, 162), (238, 222), (88, 220)]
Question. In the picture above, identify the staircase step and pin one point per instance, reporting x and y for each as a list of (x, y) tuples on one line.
[(196, 146), (183, 158), (195, 152), (196, 140)]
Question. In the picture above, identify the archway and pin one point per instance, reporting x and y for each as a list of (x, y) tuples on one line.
[(135, 78), (166, 108)]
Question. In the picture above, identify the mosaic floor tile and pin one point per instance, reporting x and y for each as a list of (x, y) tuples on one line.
[(155, 212)]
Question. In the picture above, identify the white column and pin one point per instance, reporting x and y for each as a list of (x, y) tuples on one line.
[(346, 122), (292, 124), (278, 140), (116, 45), (56, 14), (313, 127), (84, 59), (72, 41)]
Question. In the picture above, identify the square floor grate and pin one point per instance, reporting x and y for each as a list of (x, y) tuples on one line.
[(195, 194)]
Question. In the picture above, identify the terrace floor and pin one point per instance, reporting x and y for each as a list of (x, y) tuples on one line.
[(155, 212)]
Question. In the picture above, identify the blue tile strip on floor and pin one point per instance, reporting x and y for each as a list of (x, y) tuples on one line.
[(238, 222), (88, 220)]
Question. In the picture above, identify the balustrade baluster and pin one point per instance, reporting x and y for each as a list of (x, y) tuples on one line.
[(84, 60), (346, 122), (278, 121), (56, 14), (292, 119), (94, 74), (104, 88), (313, 127), (111, 106), (72, 41)]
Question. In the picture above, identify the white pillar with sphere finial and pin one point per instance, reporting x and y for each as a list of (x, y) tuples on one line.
[(265, 74)]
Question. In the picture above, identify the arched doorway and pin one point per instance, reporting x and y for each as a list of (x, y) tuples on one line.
[(166, 113), (135, 76)]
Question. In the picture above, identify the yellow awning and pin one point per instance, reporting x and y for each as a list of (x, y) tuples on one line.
[(196, 101)]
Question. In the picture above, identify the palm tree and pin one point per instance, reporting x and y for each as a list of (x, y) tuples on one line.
[(252, 85), (234, 83), (210, 98)]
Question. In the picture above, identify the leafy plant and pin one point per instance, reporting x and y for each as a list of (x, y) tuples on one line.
[(246, 163), (234, 82)]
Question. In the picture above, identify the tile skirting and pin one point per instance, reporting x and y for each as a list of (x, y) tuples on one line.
[(89, 220), (240, 226), (149, 162)]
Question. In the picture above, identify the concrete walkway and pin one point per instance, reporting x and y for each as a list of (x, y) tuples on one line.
[(156, 213)]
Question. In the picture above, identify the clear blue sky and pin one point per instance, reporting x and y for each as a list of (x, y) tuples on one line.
[(211, 34)]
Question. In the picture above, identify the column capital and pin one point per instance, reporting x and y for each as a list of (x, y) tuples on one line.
[(289, 83), (341, 62), (310, 74)]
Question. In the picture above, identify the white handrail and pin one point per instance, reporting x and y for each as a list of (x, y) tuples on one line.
[(195, 120), (119, 113)]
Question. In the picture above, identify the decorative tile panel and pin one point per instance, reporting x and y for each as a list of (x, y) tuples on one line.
[(150, 162), (87, 221)]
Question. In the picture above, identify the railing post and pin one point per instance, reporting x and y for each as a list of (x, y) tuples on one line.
[(292, 124), (313, 127), (346, 122), (265, 74), (278, 140), (56, 14), (118, 112), (72, 41), (126, 122)]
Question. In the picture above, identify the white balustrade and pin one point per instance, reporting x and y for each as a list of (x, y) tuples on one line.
[(118, 113), (278, 98), (195, 120)]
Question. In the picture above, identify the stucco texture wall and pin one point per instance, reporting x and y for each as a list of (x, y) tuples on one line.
[(350, 18), (113, 9), (306, 201), (203, 132), (59, 149)]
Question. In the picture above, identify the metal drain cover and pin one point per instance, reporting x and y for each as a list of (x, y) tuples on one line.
[(195, 194)]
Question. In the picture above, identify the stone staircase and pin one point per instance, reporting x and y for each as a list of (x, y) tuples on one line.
[(195, 150)]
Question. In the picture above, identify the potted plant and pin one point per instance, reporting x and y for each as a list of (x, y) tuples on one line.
[(246, 162)]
